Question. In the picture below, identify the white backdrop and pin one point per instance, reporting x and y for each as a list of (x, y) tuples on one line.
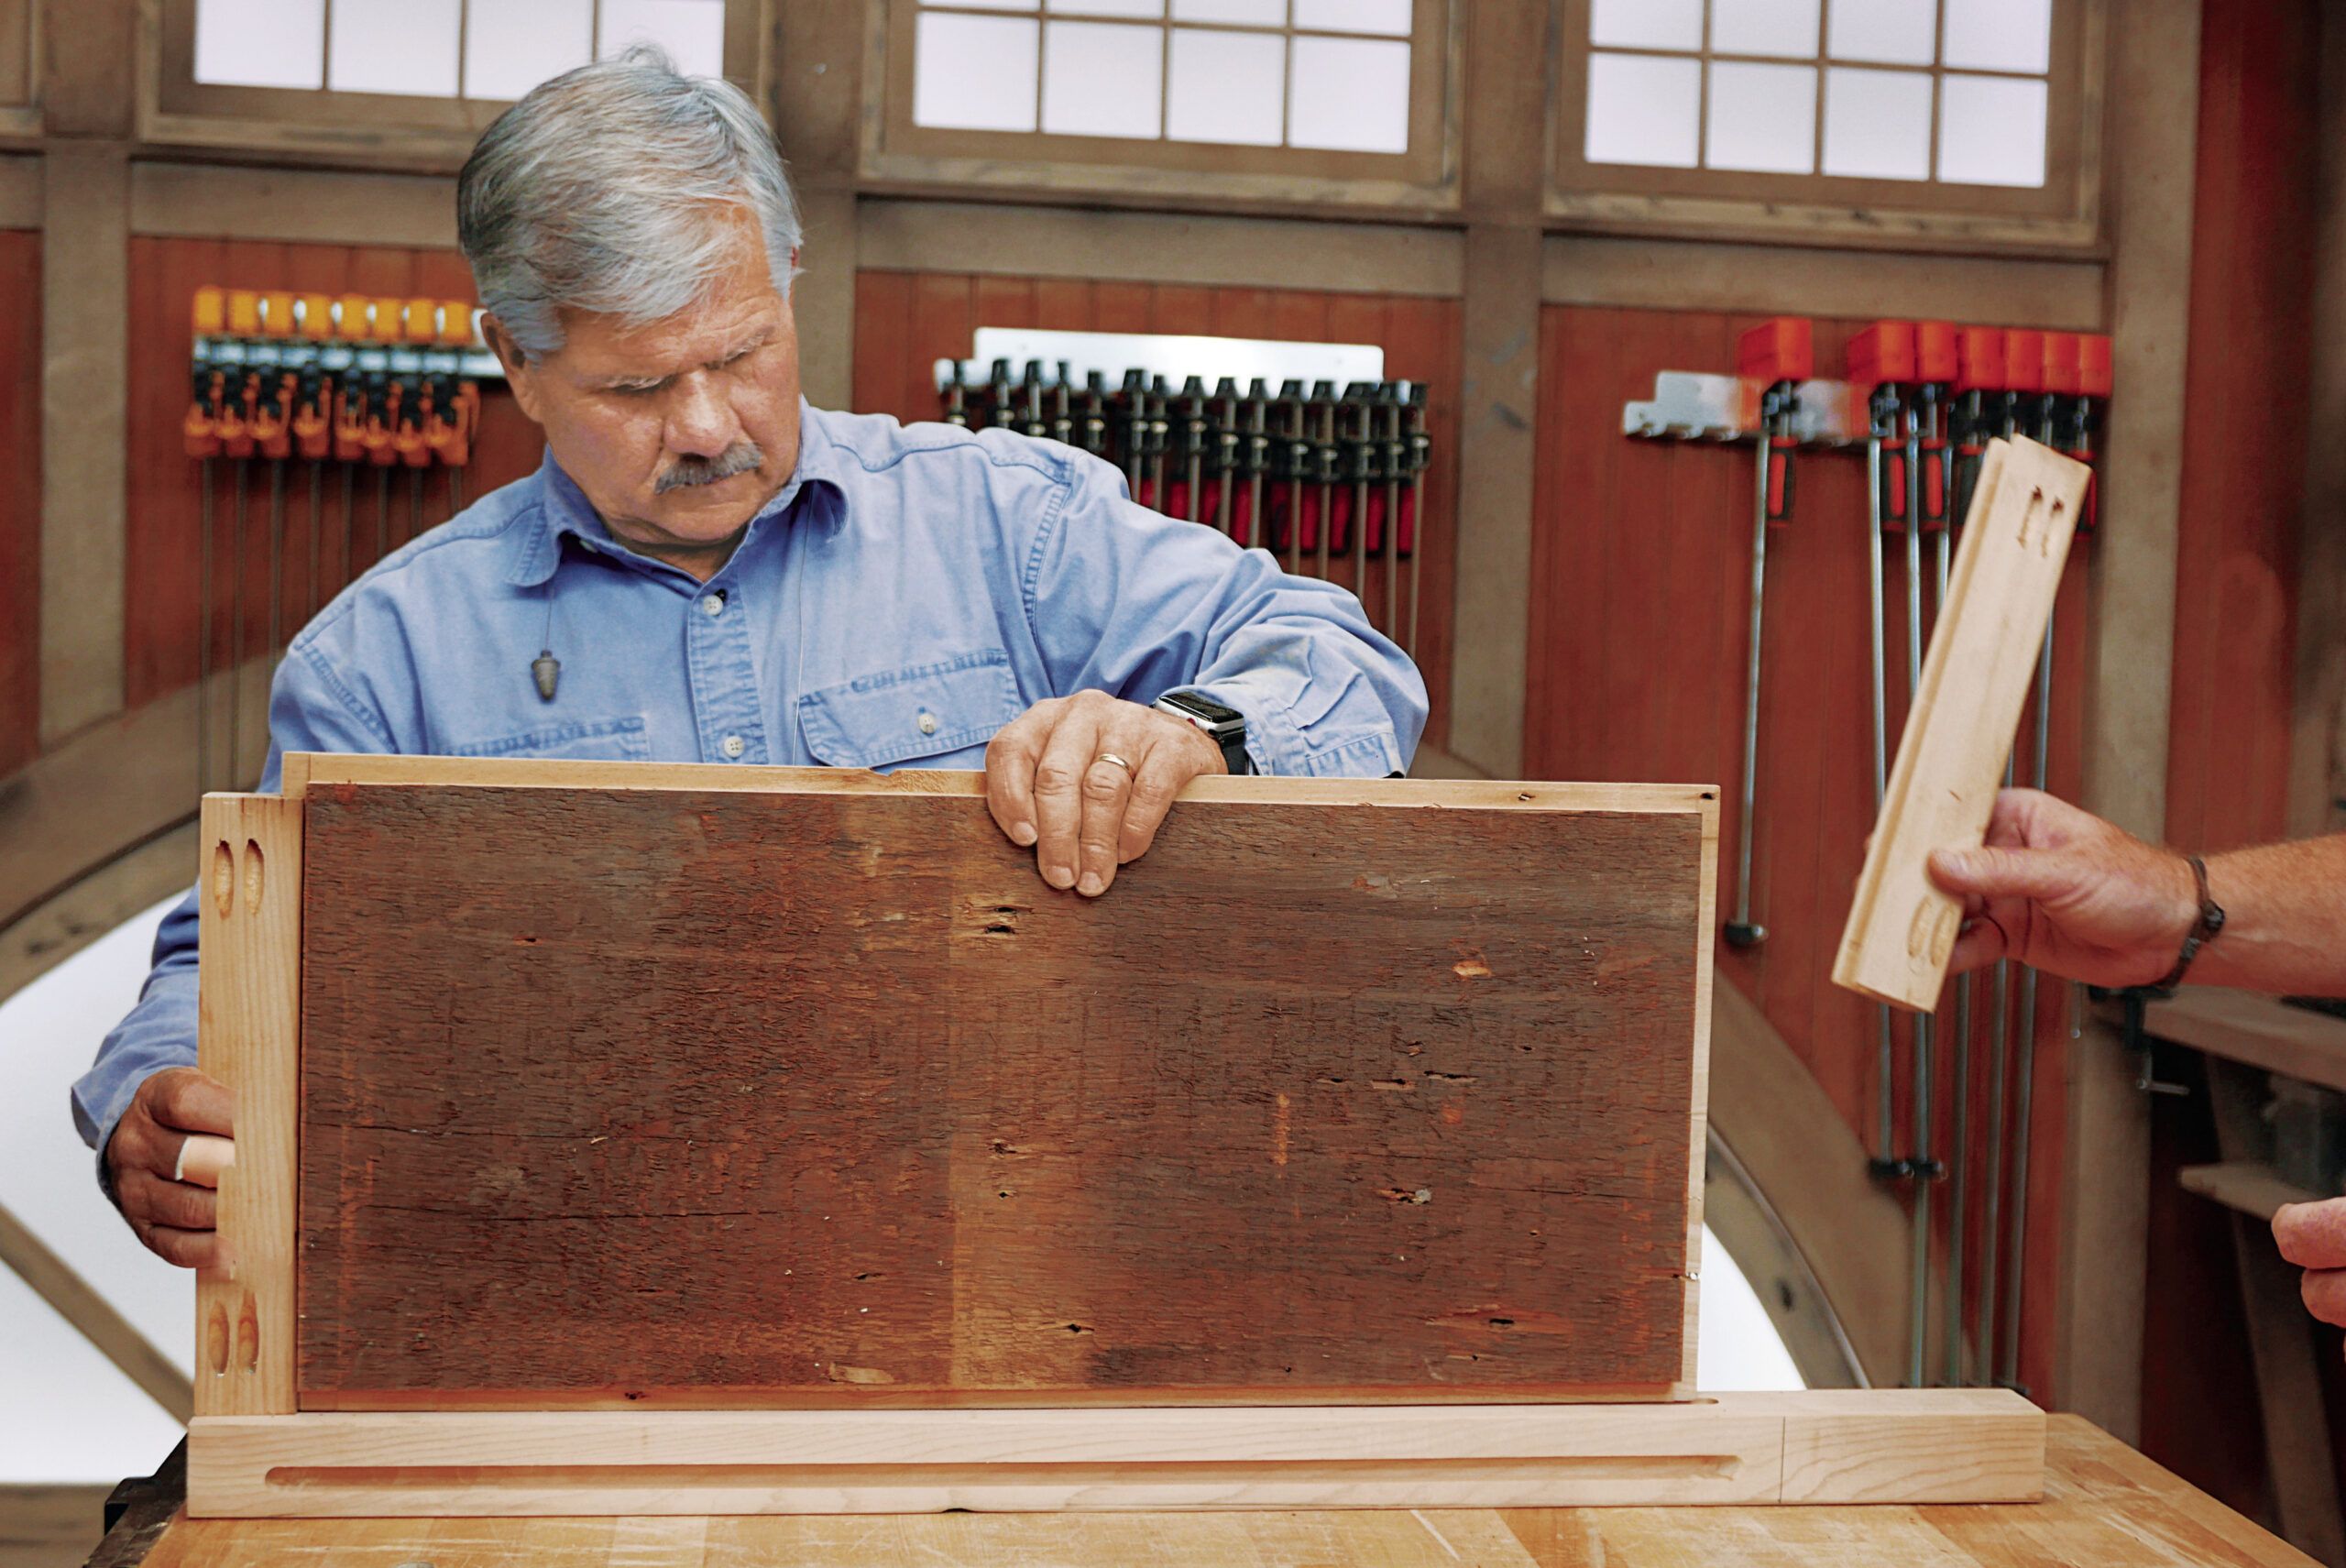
[(74, 1418)]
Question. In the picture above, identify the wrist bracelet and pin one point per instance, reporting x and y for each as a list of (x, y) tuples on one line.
[(2205, 925)]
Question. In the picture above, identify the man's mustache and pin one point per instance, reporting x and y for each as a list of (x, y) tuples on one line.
[(741, 457)]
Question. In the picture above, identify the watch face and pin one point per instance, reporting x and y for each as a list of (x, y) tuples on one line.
[(1212, 712)]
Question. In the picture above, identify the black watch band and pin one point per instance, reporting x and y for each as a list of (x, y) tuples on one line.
[(1225, 727), (2204, 928)]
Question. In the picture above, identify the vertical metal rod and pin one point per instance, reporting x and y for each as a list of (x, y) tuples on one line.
[(1326, 468), (276, 560), (1886, 1112), (1394, 450), (1991, 1228), (1365, 436), (310, 605), (349, 521), (1746, 834), (203, 639), (1417, 544), (236, 627), (1295, 450), (1918, 1310), (1955, 1366), (382, 512), (2025, 1055)]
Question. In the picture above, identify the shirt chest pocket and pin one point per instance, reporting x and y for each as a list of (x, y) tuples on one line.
[(926, 713), (620, 739)]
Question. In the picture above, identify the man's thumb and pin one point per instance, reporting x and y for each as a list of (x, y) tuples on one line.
[(1998, 873)]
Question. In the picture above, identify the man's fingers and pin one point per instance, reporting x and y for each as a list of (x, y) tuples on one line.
[(139, 1145), (2325, 1294), (187, 1249), (2312, 1236), (1153, 793), (1107, 787), (2000, 874), (175, 1204), (1009, 772), (1058, 791), (191, 1101), (1981, 944)]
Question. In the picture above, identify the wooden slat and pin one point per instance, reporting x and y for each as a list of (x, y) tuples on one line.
[(250, 883), (1960, 1445), (1982, 656), (1373, 1152), (20, 513), (2257, 1031), (94, 1317)]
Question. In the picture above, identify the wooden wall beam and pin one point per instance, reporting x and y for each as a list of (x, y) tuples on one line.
[(1689, 275), (1509, 44), (2315, 776), (2105, 1189), (818, 47), (20, 192), (87, 54), (94, 1317), (85, 318)]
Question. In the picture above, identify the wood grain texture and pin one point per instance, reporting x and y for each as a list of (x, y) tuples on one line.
[(1976, 679), (906, 321), (960, 1137), (248, 1038), (20, 513), (1833, 1446)]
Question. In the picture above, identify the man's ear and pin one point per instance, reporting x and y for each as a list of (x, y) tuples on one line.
[(520, 374)]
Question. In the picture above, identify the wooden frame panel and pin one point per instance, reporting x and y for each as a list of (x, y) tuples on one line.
[(252, 1456), (2063, 213), (897, 154)]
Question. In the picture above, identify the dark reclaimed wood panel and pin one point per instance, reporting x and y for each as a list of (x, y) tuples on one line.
[(720, 1097)]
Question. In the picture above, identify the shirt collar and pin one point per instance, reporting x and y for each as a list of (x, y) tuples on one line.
[(563, 510)]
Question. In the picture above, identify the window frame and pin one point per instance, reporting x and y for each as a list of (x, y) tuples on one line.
[(897, 155), (376, 129), (20, 118), (2062, 213)]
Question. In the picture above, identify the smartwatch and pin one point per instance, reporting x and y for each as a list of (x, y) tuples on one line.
[(1225, 727)]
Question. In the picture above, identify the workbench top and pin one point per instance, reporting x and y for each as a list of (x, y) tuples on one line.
[(2104, 1503)]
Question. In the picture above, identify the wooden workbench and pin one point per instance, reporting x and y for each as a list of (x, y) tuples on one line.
[(2104, 1504)]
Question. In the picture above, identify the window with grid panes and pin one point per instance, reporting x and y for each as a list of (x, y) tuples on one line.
[(1319, 88), (1948, 106), (416, 80)]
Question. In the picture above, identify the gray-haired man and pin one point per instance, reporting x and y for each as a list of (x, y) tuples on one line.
[(705, 569)]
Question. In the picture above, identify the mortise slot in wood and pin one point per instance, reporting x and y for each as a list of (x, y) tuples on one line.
[(248, 1335), (216, 1341), (1331, 1472), (254, 876), (223, 879)]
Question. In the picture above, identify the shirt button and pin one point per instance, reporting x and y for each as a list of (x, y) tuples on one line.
[(733, 746), (713, 605), (928, 724)]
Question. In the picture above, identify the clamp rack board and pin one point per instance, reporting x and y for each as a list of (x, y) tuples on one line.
[(619, 1138)]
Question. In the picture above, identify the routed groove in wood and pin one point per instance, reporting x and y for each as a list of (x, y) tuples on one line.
[(717, 1098)]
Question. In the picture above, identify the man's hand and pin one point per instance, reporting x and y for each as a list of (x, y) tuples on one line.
[(165, 1156), (2313, 1236), (2067, 893), (1086, 780)]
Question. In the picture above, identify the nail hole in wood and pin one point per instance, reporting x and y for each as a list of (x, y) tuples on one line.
[(223, 879), (248, 1335), (215, 1340)]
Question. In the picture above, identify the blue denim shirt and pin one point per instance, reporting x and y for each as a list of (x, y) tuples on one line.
[(909, 592)]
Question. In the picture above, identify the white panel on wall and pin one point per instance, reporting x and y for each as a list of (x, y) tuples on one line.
[(1644, 110), (1153, 9), (1388, 17), (986, 5), (1991, 130), (1646, 24), (1883, 32), (975, 73), (409, 47), (511, 46), (1878, 124), (2000, 35), (1763, 118), (1786, 28), (1102, 79), (1349, 94), (1244, 13), (1226, 87), (692, 32), (261, 43)]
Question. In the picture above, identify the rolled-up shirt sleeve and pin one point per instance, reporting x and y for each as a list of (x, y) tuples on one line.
[(310, 709), (1135, 604)]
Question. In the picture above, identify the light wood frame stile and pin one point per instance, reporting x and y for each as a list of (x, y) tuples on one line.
[(2063, 215), (254, 1452)]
